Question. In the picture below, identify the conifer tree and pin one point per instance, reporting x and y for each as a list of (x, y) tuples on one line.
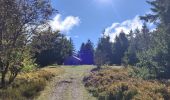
[(86, 53)]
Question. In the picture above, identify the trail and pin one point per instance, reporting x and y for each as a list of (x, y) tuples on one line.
[(69, 86)]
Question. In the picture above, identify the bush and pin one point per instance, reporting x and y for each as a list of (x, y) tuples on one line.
[(141, 72), (10, 94), (30, 90), (117, 84), (29, 84), (28, 63)]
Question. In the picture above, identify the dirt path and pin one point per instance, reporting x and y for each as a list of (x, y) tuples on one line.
[(69, 86)]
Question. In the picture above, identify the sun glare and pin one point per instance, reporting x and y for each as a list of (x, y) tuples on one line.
[(104, 1)]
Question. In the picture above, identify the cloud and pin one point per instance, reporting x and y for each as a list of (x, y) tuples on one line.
[(126, 26), (68, 37), (64, 25)]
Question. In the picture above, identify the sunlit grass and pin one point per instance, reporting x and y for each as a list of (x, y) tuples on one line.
[(28, 85)]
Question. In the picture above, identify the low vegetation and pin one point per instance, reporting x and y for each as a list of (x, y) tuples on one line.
[(28, 41), (28, 85), (120, 84)]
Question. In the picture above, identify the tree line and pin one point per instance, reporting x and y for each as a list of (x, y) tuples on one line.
[(143, 48)]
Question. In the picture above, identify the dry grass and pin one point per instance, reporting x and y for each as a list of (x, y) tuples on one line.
[(28, 85), (116, 84), (46, 73), (68, 86)]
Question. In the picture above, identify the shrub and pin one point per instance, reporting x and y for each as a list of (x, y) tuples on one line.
[(28, 62), (30, 90), (10, 94), (29, 84), (117, 84), (142, 72)]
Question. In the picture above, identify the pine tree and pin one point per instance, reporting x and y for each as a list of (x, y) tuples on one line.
[(86, 53), (158, 56), (51, 47), (130, 57), (103, 52), (119, 48)]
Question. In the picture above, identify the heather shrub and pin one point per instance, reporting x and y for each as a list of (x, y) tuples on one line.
[(29, 84), (118, 84)]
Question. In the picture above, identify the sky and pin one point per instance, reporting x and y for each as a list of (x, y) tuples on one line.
[(87, 19)]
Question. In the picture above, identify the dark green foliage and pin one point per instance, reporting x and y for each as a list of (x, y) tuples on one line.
[(86, 53), (119, 48), (51, 47), (142, 52), (157, 56), (111, 53), (139, 41), (142, 72), (161, 10), (103, 52)]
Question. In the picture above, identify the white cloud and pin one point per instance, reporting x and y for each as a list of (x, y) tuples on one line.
[(68, 37), (126, 26), (64, 25)]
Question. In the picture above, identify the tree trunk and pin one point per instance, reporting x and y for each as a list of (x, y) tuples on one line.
[(12, 78), (4, 72), (3, 83)]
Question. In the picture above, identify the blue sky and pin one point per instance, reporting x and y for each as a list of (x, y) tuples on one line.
[(87, 19)]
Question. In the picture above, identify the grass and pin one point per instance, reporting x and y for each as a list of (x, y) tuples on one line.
[(78, 70), (117, 84), (28, 85)]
